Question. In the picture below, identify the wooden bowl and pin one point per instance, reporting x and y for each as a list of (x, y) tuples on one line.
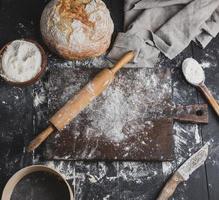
[(38, 75)]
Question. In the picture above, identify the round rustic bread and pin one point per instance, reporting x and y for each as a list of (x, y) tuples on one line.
[(77, 29)]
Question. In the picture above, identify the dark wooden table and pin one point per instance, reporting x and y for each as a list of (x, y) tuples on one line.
[(21, 118)]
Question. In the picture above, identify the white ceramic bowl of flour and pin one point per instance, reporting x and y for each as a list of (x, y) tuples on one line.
[(22, 62)]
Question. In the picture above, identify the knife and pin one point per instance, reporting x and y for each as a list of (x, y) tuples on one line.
[(183, 173)]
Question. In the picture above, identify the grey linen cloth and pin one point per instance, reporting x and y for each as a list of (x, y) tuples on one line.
[(167, 26)]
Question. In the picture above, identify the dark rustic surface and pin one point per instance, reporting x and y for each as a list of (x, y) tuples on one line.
[(21, 119)]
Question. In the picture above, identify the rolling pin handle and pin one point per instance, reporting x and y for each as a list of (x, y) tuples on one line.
[(129, 56), (40, 138)]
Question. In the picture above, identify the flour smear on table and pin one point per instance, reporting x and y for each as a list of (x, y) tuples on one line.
[(21, 61)]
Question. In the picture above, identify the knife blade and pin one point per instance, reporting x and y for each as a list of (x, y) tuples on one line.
[(184, 172), (193, 163)]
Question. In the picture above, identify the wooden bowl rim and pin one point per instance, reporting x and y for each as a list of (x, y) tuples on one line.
[(14, 180), (38, 75)]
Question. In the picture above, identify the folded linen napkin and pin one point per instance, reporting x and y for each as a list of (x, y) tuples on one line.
[(167, 26)]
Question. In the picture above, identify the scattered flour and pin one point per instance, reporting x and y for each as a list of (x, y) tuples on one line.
[(38, 99), (67, 169), (21, 61), (39, 94), (121, 107), (118, 112), (167, 168), (205, 65), (185, 137), (193, 71), (197, 136), (209, 63), (92, 179), (138, 172), (107, 197)]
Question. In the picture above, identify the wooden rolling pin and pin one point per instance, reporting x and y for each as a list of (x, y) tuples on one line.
[(75, 105)]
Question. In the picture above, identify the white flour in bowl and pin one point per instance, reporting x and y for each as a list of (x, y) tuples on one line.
[(193, 71), (21, 61)]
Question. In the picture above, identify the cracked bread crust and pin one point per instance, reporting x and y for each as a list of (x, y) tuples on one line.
[(77, 29)]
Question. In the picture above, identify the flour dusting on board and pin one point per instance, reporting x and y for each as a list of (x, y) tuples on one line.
[(140, 94), (113, 115), (121, 107)]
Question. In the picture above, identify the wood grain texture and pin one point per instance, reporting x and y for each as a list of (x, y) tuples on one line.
[(207, 93), (170, 187)]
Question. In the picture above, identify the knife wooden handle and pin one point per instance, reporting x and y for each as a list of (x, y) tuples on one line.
[(170, 187), (209, 97)]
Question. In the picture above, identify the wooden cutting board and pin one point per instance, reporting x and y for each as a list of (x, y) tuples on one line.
[(132, 120)]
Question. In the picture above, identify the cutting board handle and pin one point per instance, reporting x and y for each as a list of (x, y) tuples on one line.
[(197, 113)]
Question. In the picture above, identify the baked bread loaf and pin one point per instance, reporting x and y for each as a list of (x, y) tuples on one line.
[(77, 29)]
